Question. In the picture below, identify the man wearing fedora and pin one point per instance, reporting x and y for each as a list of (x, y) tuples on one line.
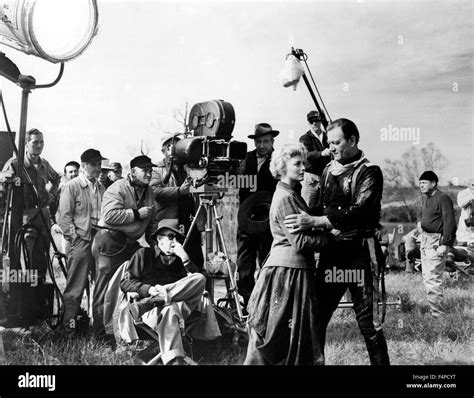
[(78, 215), (315, 141), (128, 213), (253, 245), (174, 200), (169, 288)]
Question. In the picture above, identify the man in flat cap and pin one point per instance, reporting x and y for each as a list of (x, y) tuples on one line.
[(316, 143), (127, 214), (251, 247), (79, 212), (438, 232), (174, 200), (41, 174)]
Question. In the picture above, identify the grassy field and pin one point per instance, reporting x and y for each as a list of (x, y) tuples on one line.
[(413, 337)]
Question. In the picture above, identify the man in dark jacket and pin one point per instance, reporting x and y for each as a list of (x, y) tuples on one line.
[(160, 277), (316, 143), (349, 204), (253, 246), (438, 232)]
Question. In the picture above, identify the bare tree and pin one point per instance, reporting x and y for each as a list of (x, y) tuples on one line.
[(181, 116), (415, 161)]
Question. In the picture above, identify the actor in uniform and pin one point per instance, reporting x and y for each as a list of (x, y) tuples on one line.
[(349, 206)]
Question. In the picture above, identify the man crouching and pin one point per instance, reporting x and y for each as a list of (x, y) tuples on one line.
[(168, 294)]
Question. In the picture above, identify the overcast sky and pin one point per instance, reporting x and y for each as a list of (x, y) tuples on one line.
[(381, 64)]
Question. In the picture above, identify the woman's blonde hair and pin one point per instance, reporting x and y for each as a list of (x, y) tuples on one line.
[(280, 157)]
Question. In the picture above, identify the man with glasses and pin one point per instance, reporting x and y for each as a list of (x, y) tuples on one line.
[(316, 142), (169, 288), (127, 214)]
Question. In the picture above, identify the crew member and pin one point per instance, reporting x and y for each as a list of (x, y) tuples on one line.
[(40, 173), (438, 226), (79, 213), (127, 214), (316, 143), (251, 247), (105, 169), (116, 172), (168, 290), (174, 200), (349, 205)]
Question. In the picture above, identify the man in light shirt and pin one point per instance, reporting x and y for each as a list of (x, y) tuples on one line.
[(79, 212)]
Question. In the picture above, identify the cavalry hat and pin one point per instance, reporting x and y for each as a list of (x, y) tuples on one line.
[(116, 166), (141, 161), (313, 115), (91, 155), (170, 223), (262, 129), (254, 213), (429, 176)]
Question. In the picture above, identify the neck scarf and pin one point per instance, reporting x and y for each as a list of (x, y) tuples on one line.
[(336, 168)]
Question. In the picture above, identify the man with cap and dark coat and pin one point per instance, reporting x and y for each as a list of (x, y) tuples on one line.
[(79, 212), (438, 232), (127, 214), (251, 245), (169, 288), (174, 200), (316, 143)]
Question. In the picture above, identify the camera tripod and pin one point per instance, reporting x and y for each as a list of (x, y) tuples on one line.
[(209, 201)]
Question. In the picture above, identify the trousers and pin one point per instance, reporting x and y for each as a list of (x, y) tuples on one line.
[(432, 267), (169, 320)]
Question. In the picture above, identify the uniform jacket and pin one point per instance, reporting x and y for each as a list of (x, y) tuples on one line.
[(75, 209), (265, 180), (291, 250), (352, 212), (118, 205), (315, 163)]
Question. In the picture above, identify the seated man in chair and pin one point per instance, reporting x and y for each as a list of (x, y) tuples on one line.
[(168, 290)]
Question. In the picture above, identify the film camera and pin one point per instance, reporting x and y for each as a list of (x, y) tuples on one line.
[(210, 152)]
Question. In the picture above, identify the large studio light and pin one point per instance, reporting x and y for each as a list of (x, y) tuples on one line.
[(55, 30)]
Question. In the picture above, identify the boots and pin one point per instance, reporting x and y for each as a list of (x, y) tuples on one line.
[(377, 348), (140, 307)]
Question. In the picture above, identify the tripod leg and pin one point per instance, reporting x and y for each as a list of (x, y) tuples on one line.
[(233, 285), (193, 224)]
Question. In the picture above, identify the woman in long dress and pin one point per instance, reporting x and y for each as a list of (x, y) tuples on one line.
[(282, 308)]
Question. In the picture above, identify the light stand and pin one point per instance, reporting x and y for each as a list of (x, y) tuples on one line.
[(18, 309)]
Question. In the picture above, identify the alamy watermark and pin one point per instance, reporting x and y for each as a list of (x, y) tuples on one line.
[(392, 133), (29, 276), (335, 275), (237, 181)]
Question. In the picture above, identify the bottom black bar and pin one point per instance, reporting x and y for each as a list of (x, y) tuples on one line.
[(409, 380)]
